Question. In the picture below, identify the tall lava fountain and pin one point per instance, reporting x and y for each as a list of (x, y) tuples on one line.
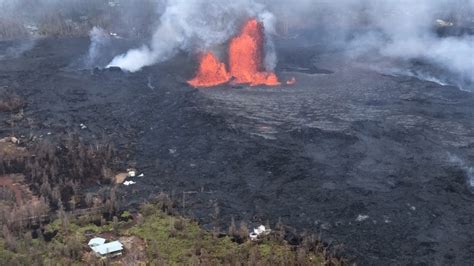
[(245, 61)]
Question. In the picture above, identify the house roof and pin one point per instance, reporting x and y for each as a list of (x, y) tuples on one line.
[(108, 248), (96, 241)]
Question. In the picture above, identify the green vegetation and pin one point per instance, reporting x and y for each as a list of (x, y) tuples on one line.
[(46, 219), (163, 239)]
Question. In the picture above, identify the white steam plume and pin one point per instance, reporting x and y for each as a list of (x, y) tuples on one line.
[(196, 25), (99, 41), (391, 29), (406, 30), (468, 170)]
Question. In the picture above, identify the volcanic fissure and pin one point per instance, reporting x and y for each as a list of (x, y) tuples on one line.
[(245, 61)]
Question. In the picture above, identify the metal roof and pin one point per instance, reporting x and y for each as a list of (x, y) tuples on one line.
[(96, 241), (108, 248)]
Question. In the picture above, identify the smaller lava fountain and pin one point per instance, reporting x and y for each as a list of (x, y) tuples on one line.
[(245, 60), (211, 72)]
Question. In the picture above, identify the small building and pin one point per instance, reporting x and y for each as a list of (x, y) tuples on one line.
[(259, 232), (103, 249), (96, 241)]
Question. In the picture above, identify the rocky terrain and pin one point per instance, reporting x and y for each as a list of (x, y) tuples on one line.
[(377, 162)]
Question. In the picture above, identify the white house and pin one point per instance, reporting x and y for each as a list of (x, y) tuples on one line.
[(96, 241), (103, 249), (258, 232)]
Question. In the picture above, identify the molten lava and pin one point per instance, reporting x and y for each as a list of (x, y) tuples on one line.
[(246, 57), (245, 60), (211, 72)]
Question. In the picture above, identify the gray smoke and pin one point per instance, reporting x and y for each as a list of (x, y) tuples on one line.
[(405, 30), (196, 25), (468, 170), (378, 30), (100, 39), (76, 17), (18, 48), (366, 30), (392, 30)]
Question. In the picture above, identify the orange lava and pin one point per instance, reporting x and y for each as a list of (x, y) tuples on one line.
[(291, 81), (211, 72), (246, 57), (245, 61)]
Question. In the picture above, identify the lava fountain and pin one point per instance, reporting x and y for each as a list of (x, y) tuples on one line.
[(245, 61), (211, 72), (246, 57)]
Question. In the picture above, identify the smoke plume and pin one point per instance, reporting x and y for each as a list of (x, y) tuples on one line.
[(100, 39), (18, 48), (436, 32), (468, 170), (196, 25), (76, 17), (369, 29)]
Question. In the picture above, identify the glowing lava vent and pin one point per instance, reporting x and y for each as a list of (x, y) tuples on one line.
[(211, 72), (245, 57), (245, 60)]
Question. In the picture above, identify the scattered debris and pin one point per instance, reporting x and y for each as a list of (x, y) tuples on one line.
[(131, 172), (128, 183), (325, 226), (32, 29), (10, 139), (120, 178), (83, 126), (444, 23), (361, 218), (291, 81), (114, 3)]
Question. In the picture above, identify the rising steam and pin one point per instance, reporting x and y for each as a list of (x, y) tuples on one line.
[(245, 61), (468, 169), (100, 39), (195, 25), (368, 29), (392, 30)]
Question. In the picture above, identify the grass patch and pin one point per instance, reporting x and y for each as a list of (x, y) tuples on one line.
[(164, 240)]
